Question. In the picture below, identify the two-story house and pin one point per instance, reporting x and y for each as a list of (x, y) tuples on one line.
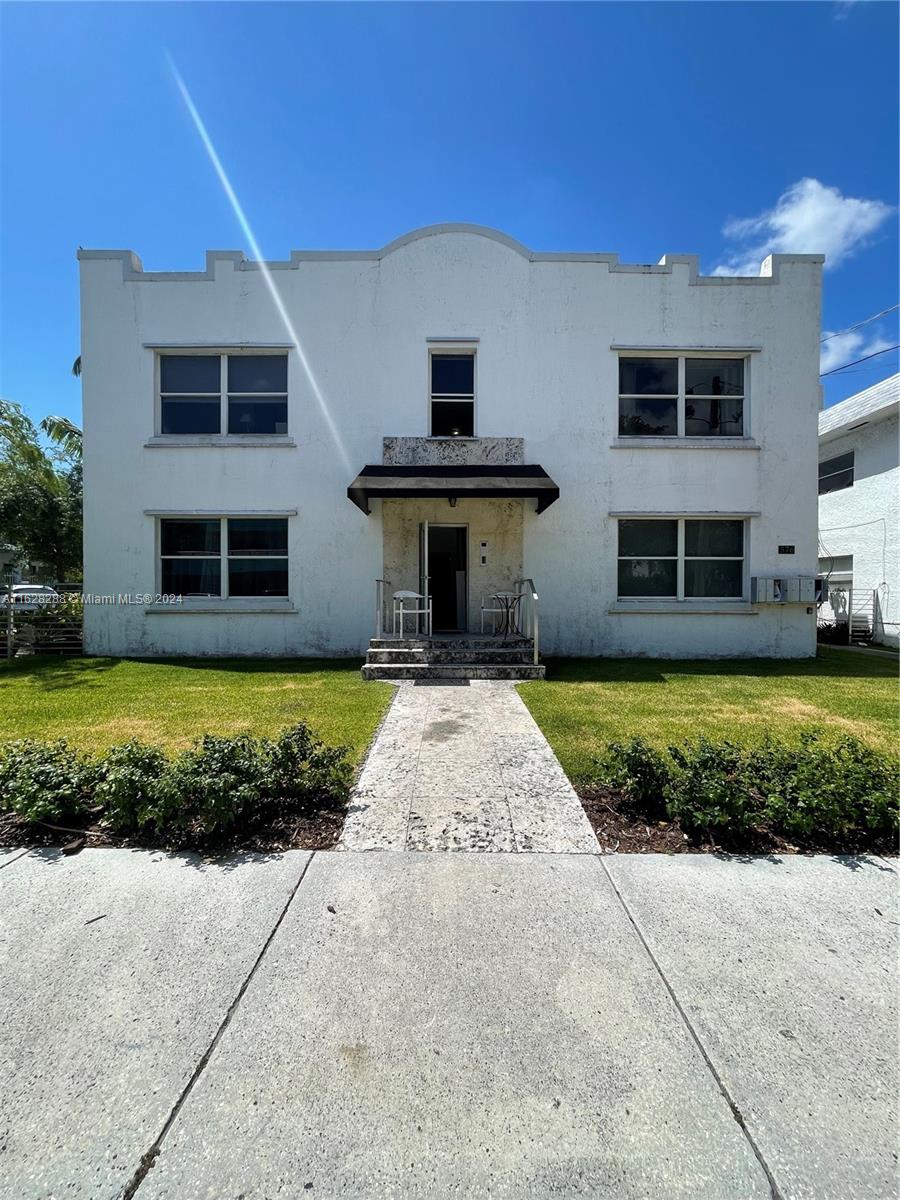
[(270, 447), (859, 512)]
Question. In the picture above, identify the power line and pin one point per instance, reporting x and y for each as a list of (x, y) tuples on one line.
[(834, 370), (860, 324)]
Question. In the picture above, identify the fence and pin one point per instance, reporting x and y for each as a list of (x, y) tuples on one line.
[(50, 626)]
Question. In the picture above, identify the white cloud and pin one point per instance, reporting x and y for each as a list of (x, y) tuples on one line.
[(847, 347), (808, 218), (843, 8)]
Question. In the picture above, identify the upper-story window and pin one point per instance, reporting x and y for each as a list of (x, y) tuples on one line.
[(677, 396), (223, 394), (836, 473), (452, 395)]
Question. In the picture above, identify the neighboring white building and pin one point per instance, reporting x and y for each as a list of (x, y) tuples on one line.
[(637, 440), (859, 511)]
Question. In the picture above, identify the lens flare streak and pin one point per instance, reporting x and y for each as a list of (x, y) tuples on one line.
[(260, 260)]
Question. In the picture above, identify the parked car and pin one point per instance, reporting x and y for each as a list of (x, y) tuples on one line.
[(31, 594)]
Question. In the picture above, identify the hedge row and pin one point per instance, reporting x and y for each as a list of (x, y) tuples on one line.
[(207, 789), (817, 791)]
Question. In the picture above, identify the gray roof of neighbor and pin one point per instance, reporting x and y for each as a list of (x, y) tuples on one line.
[(875, 402)]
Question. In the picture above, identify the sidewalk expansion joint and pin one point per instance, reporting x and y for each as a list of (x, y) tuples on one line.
[(149, 1158), (9, 862), (735, 1111)]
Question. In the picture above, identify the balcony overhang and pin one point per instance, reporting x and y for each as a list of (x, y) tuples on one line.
[(379, 482)]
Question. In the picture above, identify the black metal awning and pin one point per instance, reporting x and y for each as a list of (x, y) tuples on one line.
[(484, 482)]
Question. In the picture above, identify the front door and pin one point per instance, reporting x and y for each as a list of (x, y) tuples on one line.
[(447, 569)]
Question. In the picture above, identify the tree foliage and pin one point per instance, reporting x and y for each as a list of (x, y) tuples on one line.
[(41, 490)]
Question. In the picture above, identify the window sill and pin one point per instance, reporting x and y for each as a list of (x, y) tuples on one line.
[(679, 443), (233, 439), (683, 608), (222, 608)]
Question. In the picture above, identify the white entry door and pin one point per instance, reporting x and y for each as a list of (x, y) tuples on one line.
[(424, 577)]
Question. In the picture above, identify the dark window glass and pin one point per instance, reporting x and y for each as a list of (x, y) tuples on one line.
[(189, 373), (647, 418), (452, 375), (257, 373), (246, 415), (187, 414), (836, 473), (648, 376), (714, 377), (257, 577), (452, 419), (713, 579), (191, 576), (714, 418), (257, 535), (718, 539), (648, 538), (190, 537), (647, 577)]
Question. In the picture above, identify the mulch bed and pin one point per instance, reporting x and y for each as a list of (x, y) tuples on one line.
[(277, 828), (620, 829)]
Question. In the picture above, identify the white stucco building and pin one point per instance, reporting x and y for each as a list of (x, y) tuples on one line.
[(637, 440), (859, 511)]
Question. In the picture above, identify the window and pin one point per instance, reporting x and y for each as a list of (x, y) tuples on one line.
[(255, 561), (681, 559), (216, 393), (679, 396), (836, 473), (452, 395)]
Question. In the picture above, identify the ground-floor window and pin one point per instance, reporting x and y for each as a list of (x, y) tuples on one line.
[(681, 558), (223, 556)]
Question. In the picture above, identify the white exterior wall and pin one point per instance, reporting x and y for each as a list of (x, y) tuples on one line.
[(545, 372), (864, 520)]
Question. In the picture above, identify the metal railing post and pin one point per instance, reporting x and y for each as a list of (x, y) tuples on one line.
[(9, 621)]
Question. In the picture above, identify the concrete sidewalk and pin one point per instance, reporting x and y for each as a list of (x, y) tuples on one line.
[(412, 1025), (463, 766)]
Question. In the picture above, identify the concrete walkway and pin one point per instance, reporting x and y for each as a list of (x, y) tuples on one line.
[(426, 1025), (463, 766)]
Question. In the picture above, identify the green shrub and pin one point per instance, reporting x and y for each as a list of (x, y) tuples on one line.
[(639, 771), (131, 785), (707, 790), (825, 791), (213, 785), (818, 792), (44, 781), (300, 767)]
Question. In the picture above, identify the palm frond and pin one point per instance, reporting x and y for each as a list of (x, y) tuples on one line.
[(64, 433)]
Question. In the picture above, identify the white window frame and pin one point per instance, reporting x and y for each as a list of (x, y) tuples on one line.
[(223, 354), (680, 558), (223, 556), (681, 398), (460, 350)]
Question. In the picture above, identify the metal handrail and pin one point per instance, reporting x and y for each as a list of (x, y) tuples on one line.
[(380, 585), (532, 613)]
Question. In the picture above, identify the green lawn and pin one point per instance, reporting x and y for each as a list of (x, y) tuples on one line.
[(96, 702), (586, 703)]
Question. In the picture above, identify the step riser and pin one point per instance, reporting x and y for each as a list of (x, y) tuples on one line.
[(449, 643), (485, 657), (449, 671)]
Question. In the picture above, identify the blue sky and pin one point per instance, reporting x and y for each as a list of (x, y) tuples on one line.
[(721, 129)]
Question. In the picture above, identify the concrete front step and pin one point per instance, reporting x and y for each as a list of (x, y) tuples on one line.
[(433, 654), (463, 670), (473, 642)]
